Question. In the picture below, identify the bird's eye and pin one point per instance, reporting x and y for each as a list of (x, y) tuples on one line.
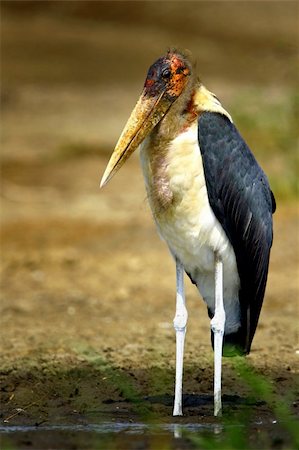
[(166, 74)]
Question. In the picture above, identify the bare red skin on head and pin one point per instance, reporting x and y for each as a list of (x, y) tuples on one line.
[(149, 82), (179, 74), (174, 83)]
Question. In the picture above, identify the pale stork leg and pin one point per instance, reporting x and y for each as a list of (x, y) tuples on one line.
[(217, 325), (179, 323)]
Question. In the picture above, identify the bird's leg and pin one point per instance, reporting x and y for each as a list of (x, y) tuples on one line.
[(179, 323), (217, 325)]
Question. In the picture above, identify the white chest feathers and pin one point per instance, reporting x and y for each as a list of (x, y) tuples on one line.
[(187, 223)]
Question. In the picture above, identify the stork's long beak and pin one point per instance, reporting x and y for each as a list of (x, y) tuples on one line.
[(147, 113)]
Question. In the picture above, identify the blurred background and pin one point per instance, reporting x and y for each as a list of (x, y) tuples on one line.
[(78, 261), (72, 71)]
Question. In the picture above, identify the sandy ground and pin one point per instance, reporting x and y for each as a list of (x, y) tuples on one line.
[(88, 288), (88, 295)]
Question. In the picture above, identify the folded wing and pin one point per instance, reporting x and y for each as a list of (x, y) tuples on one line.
[(241, 199)]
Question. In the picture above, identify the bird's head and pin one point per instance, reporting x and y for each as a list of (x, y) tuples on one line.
[(166, 80)]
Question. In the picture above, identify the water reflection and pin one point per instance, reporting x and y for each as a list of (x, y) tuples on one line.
[(126, 435)]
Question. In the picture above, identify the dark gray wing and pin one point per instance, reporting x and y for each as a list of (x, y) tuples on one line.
[(241, 199)]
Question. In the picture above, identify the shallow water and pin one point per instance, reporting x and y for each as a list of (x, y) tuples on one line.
[(115, 427), (131, 436)]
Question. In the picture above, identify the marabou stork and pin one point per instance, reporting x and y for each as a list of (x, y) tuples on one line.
[(211, 202)]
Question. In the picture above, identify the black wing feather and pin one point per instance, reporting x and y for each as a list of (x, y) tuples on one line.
[(241, 199)]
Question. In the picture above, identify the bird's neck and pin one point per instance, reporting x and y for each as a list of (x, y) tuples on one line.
[(156, 151), (181, 113), (195, 100)]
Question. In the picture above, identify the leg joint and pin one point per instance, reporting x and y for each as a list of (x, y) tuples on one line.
[(218, 322), (180, 319)]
